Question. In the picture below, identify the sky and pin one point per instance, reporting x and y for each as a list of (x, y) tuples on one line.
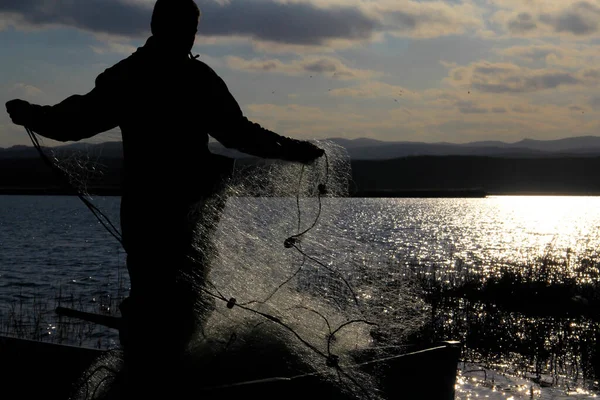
[(393, 70)]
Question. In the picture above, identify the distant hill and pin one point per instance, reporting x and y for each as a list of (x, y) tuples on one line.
[(581, 143), (369, 149), (372, 149), (107, 149)]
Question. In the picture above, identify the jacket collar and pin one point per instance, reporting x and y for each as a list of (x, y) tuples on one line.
[(161, 49)]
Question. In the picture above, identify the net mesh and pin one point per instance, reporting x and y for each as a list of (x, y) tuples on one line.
[(296, 295)]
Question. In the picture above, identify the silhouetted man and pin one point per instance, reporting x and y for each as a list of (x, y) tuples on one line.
[(166, 103)]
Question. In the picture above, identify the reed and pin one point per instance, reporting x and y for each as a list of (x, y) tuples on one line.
[(33, 317), (537, 319)]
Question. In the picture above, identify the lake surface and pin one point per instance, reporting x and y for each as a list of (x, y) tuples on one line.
[(53, 251)]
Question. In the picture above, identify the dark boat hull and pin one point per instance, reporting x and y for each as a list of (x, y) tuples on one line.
[(38, 370)]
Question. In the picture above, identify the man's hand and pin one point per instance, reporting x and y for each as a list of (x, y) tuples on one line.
[(308, 152), (20, 112)]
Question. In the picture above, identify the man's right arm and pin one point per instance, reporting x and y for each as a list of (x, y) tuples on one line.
[(233, 130), (75, 118)]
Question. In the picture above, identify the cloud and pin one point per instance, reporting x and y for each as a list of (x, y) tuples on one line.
[(506, 118), (301, 23), (118, 17), (427, 19), (522, 23), (592, 73), (375, 90), (307, 122), (25, 90), (577, 18), (289, 22), (517, 84), (469, 107), (594, 101), (580, 18), (511, 78), (114, 47), (533, 53), (571, 55), (493, 69), (329, 66), (524, 109)]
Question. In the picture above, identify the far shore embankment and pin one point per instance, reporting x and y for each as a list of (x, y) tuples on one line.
[(388, 193)]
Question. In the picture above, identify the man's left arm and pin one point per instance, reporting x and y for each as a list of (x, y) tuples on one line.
[(232, 129)]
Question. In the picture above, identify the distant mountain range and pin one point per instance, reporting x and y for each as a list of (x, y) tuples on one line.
[(371, 149)]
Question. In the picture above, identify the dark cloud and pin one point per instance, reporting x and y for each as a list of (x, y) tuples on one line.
[(576, 24), (468, 107), (533, 53), (499, 110), (570, 22), (551, 80), (494, 87), (539, 53), (517, 84), (435, 18), (102, 16), (405, 20), (292, 23), (343, 75), (595, 102), (592, 73), (472, 110), (269, 66), (523, 109), (328, 66), (579, 19), (458, 74), (296, 23), (321, 66), (491, 69), (522, 23)]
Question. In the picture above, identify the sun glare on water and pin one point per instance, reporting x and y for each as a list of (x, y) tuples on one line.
[(544, 214)]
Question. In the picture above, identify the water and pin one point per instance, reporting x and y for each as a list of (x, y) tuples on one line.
[(54, 251), (479, 232)]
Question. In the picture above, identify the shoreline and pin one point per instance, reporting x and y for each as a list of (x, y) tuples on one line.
[(56, 191), (422, 193), (400, 193)]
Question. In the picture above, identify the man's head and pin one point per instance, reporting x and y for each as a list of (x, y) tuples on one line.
[(176, 22)]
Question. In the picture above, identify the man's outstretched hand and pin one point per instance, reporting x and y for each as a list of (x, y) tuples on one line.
[(20, 112), (307, 152)]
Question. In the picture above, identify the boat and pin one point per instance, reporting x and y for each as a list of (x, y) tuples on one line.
[(42, 370)]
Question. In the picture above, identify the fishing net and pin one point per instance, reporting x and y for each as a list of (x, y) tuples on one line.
[(298, 301)]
